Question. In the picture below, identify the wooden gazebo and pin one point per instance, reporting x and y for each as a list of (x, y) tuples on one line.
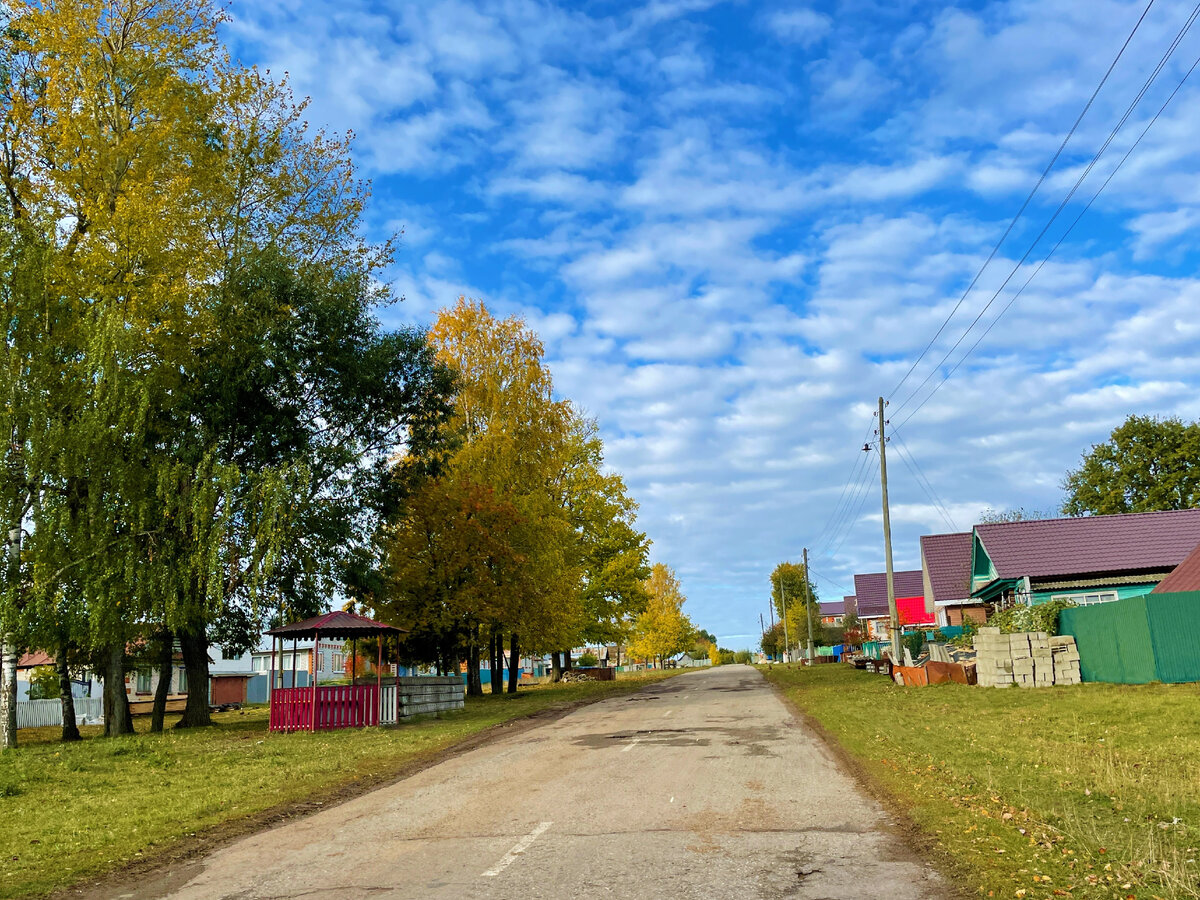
[(322, 707)]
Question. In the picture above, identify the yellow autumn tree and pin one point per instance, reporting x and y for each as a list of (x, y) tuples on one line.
[(512, 436), (664, 628)]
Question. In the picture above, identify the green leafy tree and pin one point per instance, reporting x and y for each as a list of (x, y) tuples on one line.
[(1147, 464), (790, 590)]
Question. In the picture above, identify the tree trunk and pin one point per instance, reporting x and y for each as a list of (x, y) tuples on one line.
[(194, 643), (165, 655), (474, 682), (556, 667), (514, 662), (8, 651), (496, 648), (566, 661), (70, 728), (117, 720), (8, 694)]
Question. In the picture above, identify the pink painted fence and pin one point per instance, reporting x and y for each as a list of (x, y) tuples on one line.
[(337, 706)]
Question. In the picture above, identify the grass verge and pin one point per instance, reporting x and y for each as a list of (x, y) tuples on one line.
[(1091, 791), (71, 812)]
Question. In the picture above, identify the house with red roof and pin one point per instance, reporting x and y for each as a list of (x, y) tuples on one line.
[(1089, 560), (1184, 577), (946, 577), (871, 599)]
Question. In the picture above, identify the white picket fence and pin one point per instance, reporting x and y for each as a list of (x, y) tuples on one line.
[(43, 713)]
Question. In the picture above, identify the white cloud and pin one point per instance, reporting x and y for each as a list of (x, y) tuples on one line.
[(801, 26)]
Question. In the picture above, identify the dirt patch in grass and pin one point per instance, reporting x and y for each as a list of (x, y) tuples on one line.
[(1090, 791), (83, 819)]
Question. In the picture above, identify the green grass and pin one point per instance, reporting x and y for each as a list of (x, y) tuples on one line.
[(1091, 791), (69, 812)]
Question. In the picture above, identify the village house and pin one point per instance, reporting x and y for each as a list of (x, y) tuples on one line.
[(946, 577), (871, 600), (833, 611), (1088, 560)]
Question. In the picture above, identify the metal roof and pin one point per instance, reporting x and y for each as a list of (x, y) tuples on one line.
[(1185, 577), (871, 590), (336, 624), (1042, 548), (946, 559)]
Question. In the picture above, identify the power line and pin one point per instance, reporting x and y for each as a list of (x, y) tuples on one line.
[(1170, 51), (866, 492), (1025, 204), (834, 522), (1057, 244), (854, 503), (842, 505), (910, 462)]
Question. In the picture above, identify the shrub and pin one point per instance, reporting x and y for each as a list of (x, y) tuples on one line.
[(43, 684), (914, 641), (1020, 617), (586, 660)]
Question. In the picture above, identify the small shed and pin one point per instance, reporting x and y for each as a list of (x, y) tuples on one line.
[(316, 707), (228, 688)]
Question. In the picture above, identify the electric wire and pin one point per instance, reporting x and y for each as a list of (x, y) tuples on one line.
[(854, 501), (866, 492), (1025, 204), (910, 463), (1062, 205), (1057, 244), (840, 508)]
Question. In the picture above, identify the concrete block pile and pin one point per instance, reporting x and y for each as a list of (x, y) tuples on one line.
[(1027, 659)]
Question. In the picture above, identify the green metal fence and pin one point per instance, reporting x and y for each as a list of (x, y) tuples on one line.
[(1155, 637)]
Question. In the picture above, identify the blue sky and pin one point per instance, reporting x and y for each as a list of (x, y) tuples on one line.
[(737, 224)]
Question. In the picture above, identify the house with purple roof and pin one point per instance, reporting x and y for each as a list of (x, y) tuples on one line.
[(946, 574), (832, 611), (871, 598), (1091, 559)]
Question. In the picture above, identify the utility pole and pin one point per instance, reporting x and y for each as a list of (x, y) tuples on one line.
[(894, 615), (808, 606), (787, 642)]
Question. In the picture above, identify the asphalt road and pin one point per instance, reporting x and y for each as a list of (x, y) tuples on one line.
[(699, 786)]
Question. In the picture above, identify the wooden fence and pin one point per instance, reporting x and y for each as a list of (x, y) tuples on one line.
[(47, 713)]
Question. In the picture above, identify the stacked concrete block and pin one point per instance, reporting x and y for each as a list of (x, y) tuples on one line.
[(993, 658), (1066, 659), (1028, 659), (422, 695)]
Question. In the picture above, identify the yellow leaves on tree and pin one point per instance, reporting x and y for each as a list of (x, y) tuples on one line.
[(663, 629)]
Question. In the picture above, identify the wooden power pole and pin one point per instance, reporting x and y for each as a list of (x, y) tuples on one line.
[(894, 615), (808, 606)]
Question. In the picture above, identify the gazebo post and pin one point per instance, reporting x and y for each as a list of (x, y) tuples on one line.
[(295, 649), (271, 686), (397, 682), (316, 648), (379, 680)]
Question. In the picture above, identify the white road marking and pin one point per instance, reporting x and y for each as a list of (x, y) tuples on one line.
[(518, 848), (630, 745), (668, 712)]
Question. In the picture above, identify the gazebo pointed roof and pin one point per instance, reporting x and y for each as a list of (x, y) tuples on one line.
[(336, 624)]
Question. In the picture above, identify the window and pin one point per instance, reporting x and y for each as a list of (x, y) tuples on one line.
[(262, 663), (1088, 599), (143, 683), (182, 681)]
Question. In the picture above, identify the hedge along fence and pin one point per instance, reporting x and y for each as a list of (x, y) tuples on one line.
[(1155, 637)]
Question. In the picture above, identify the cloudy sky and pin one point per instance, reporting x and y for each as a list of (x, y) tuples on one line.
[(735, 225)]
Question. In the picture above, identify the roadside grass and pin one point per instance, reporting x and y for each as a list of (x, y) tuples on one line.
[(1089, 791), (70, 812)]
